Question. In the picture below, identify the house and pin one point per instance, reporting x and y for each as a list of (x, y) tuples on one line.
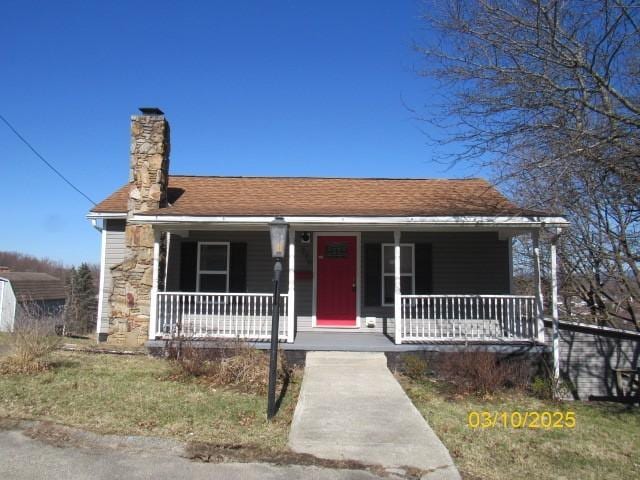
[(28, 294), (405, 260)]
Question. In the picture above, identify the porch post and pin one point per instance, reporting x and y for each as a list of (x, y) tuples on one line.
[(166, 260), (154, 285), (554, 306), (510, 245), (291, 304), (535, 237), (396, 298)]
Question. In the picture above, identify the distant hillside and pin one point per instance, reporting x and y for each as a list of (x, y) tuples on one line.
[(21, 262)]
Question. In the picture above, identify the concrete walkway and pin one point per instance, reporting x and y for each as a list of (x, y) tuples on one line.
[(351, 407)]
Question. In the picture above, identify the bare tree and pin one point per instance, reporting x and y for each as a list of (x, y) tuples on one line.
[(21, 262), (600, 253), (558, 75), (547, 93)]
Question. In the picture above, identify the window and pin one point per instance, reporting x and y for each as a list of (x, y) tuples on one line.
[(407, 271), (213, 267)]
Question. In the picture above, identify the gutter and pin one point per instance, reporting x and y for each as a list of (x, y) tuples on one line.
[(94, 224), (111, 215), (440, 221)]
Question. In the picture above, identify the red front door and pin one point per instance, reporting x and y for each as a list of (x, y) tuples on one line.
[(336, 281)]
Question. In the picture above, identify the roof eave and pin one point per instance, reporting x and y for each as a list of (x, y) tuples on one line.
[(512, 221), (105, 215)]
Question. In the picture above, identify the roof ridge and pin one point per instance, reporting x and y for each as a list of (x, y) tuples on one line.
[(310, 177), (14, 272)]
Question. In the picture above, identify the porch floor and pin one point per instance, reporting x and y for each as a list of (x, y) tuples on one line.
[(372, 342), (377, 342)]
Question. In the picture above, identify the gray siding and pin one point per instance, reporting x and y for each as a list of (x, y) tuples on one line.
[(259, 261), (467, 263), (588, 360), (115, 251)]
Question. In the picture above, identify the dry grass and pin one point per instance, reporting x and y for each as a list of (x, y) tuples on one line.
[(604, 443), (135, 395)]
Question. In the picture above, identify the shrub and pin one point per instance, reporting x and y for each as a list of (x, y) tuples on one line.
[(189, 359), (232, 364), (31, 348), (545, 387), (414, 366), (542, 388), (248, 370), (482, 373)]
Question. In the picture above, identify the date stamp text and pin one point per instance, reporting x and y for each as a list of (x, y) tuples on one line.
[(546, 420)]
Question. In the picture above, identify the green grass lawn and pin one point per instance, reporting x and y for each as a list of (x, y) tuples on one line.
[(133, 395), (605, 442)]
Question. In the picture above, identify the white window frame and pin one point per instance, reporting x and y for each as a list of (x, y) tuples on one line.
[(392, 274), (214, 272)]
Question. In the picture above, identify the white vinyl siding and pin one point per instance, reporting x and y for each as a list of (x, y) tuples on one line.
[(7, 306)]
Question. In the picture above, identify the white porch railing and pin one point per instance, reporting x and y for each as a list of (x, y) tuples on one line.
[(467, 317), (218, 315)]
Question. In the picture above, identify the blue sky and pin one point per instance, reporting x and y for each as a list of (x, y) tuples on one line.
[(250, 88)]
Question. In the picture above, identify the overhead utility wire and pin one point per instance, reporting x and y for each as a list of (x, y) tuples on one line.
[(24, 140)]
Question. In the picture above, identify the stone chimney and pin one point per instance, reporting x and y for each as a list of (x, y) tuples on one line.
[(148, 181), (149, 165)]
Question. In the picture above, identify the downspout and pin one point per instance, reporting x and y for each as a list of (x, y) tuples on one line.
[(103, 246)]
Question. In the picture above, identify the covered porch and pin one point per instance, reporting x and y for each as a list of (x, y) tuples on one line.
[(346, 285)]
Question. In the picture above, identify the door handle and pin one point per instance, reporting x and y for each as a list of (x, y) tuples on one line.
[(353, 285)]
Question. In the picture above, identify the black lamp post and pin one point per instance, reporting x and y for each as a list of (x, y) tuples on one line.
[(278, 229)]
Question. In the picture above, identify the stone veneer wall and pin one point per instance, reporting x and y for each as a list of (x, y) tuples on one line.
[(130, 297)]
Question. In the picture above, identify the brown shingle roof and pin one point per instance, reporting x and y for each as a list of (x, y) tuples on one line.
[(35, 286), (300, 196)]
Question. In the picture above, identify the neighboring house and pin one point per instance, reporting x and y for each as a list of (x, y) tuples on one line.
[(416, 260), (29, 294)]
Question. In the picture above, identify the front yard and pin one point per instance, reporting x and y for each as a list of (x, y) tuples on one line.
[(605, 442), (141, 395), (137, 395)]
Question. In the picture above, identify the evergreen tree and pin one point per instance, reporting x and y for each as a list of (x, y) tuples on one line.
[(81, 301)]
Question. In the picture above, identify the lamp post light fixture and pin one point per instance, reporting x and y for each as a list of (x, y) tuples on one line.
[(278, 230)]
